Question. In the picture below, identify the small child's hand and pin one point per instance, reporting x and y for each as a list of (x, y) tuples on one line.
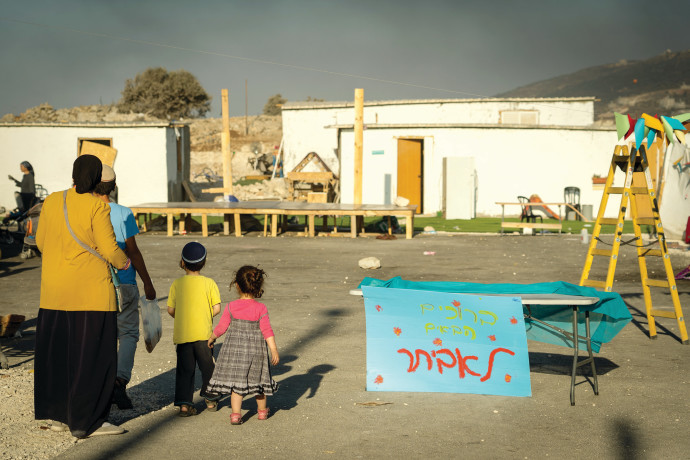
[(275, 359), (211, 341)]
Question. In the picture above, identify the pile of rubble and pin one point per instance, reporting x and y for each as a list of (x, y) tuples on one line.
[(85, 113), (253, 141)]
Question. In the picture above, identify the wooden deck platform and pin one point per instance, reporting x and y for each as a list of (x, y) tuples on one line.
[(275, 209)]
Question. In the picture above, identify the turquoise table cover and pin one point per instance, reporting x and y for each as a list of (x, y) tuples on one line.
[(607, 317)]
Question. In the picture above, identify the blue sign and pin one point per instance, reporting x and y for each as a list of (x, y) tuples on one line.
[(430, 341)]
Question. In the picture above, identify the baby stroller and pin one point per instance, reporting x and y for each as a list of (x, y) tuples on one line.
[(30, 249), (26, 222)]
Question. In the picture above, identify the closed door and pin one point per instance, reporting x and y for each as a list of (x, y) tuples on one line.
[(410, 171)]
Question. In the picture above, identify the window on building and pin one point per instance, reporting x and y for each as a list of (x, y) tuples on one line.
[(108, 142), (519, 117)]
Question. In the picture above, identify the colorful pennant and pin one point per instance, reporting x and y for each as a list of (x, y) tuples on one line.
[(649, 127)]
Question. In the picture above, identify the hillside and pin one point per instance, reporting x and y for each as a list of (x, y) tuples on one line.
[(660, 85)]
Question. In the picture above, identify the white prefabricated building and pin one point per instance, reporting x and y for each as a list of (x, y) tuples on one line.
[(152, 158), (459, 156)]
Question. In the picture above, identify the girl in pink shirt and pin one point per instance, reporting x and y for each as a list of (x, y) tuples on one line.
[(243, 366)]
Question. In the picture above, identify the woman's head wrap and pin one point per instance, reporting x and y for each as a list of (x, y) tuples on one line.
[(28, 166), (86, 173)]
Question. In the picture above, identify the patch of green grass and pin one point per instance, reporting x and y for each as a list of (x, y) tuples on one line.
[(493, 225), (478, 225)]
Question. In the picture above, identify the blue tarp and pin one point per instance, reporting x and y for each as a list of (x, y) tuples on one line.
[(607, 317)]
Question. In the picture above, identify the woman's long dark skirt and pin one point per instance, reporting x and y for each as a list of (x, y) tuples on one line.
[(75, 368)]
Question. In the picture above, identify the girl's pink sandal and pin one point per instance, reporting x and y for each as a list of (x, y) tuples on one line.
[(235, 419), (263, 414)]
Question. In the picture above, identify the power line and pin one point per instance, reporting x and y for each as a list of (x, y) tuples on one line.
[(260, 61)]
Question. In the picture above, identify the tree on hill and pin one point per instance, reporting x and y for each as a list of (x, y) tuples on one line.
[(273, 104), (166, 95)]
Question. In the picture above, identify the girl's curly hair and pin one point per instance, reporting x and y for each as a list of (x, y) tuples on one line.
[(250, 280)]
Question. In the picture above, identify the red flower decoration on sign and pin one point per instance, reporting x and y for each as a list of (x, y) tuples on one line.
[(397, 331), (378, 380), (438, 342)]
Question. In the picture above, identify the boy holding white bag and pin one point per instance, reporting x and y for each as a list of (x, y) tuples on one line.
[(125, 227)]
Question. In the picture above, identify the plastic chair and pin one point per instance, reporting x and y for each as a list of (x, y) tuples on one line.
[(527, 213), (571, 195)]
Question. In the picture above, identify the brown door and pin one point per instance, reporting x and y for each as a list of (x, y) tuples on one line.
[(410, 171)]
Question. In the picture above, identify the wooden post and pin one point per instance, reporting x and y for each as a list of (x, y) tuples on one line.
[(225, 145), (246, 108), (359, 138)]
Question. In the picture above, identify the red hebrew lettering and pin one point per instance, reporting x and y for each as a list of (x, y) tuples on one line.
[(491, 361), (462, 364), (414, 363), (412, 367), (441, 364), (418, 352)]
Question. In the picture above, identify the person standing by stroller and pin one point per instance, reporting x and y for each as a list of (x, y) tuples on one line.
[(27, 187), (125, 227)]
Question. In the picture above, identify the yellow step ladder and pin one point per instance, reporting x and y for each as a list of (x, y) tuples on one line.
[(631, 161)]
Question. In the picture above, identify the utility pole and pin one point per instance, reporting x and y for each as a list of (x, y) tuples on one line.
[(359, 140), (246, 105), (225, 145)]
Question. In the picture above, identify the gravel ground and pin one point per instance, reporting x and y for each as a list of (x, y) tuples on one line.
[(22, 437), (640, 413)]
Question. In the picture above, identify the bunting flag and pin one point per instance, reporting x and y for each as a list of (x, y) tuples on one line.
[(639, 132), (652, 122), (631, 123), (649, 127), (683, 117), (622, 124)]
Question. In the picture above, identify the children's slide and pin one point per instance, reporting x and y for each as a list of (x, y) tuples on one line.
[(543, 208)]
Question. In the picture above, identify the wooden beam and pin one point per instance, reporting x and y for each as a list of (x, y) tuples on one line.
[(188, 189), (359, 140), (216, 190), (225, 143), (310, 176)]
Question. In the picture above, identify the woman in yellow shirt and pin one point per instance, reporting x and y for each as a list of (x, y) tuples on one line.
[(76, 332)]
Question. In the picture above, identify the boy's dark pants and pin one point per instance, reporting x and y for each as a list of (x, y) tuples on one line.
[(190, 354)]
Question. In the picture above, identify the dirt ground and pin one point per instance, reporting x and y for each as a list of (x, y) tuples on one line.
[(321, 409)]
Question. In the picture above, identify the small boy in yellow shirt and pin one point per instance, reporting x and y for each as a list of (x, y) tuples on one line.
[(193, 301)]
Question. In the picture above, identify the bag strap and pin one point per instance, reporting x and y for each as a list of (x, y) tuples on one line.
[(71, 232)]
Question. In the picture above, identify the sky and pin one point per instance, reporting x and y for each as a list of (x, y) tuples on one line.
[(80, 52)]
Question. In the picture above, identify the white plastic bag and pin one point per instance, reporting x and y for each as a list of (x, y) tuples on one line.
[(151, 322)]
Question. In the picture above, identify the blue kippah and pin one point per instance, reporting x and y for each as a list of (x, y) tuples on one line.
[(193, 252)]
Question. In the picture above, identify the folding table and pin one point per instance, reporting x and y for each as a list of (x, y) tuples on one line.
[(543, 301)]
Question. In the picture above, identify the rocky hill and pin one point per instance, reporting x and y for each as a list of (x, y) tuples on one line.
[(660, 85)]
